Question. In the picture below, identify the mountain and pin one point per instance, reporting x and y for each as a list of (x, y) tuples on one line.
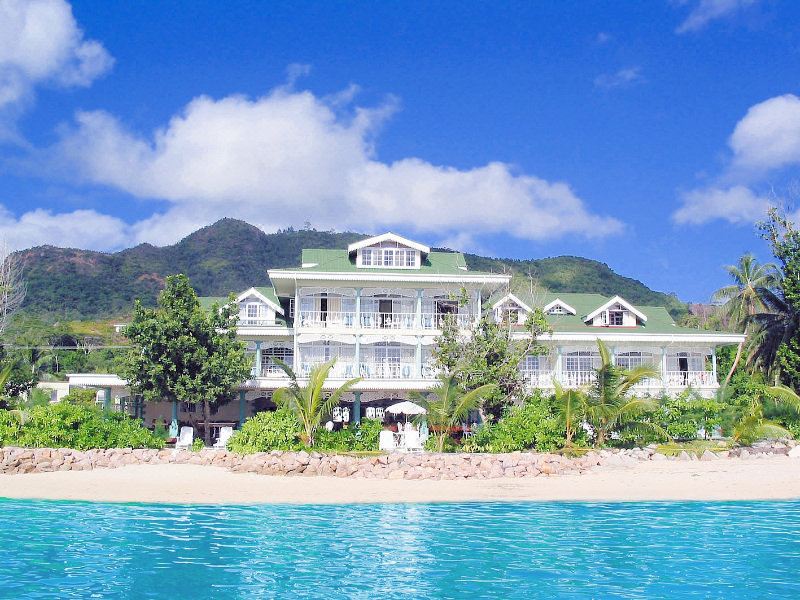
[(67, 283)]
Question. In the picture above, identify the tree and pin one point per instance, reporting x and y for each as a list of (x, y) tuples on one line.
[(744, 298), (309, 403), (181, 352), (776, 342), (486, 353), (608, 404), (569, 407), (12, 285), (447, 405)]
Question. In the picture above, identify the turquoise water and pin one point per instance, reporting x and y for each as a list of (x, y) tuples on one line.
[(520, 550)]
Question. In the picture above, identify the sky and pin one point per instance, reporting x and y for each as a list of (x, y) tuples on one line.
[(648, 135)]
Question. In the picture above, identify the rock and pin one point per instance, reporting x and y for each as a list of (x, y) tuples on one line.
[(658, 456), (794, 452), (744, 453), (684, 455), (708, 455)]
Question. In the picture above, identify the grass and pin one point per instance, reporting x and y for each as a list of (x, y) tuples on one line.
[(696, 447)]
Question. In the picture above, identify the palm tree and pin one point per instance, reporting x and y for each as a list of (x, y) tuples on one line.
[(569, 407), (745, 297), (608, 404), (449, 405), (774, 327), (308, 402), (752, 425)]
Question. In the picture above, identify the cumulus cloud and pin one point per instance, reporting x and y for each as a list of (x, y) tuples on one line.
[(766, 139), (621, 78), (86, 229), (768, 136), (290, 157), (736, 204), (41, 43), (706, 11)]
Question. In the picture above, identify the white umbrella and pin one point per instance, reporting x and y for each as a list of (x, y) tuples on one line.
[(406, 408)]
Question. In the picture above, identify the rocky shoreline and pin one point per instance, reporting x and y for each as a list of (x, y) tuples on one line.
[(389, 466)]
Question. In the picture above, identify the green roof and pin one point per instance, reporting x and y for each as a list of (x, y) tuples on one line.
[(658, 318), (319, 260), (206, 302)]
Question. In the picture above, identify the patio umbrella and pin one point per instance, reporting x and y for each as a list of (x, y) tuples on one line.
[(406, 408)]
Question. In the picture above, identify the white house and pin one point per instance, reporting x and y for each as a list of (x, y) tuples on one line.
[(377, 307)]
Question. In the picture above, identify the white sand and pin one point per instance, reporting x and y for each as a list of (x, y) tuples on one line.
[(769, 478)]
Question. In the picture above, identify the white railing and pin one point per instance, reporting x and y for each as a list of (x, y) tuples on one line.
[(379, 320), (388, 370), (326, 318), (436, 320), (689, 378), (539, 379), (255, 322), (274, 371), (340, 369), (573, 379)]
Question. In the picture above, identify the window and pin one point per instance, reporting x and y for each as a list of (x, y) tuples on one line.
[(580, 361), (557, 310), (291, 308), (631, 360), (188, 407), (410, 258), (268, 365), (366, 257), (252, 311), (388, 257), (616, 317), (533, 364)]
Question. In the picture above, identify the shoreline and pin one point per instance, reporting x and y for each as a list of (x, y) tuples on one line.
[(767, 478)]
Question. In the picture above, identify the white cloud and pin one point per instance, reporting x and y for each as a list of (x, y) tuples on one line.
[(41, 43), (290, 157), (86, 229), (768, 136), (623, 77), (737, 205), (706, 11)]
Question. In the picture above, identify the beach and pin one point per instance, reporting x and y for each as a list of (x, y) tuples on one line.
[(768, 478)]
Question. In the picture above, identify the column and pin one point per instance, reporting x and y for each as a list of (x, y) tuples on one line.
[(107, 398), (559, 365), (257, 366), (613, 352), (418, 356), (358, 308), (356, 418), (714, 363), (664, 365), (242, 407), (419, 309), (357, 366), (175, 410)]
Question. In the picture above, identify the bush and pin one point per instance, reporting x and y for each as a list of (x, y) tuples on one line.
[(198, 445), (81, 427), (272, 430), (684, 415), (531, 425), (450, 445), (355, 438), (79, 396)]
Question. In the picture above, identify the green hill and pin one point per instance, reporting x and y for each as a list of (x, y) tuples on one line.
[(67, 284)]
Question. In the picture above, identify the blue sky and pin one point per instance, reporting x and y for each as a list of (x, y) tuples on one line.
[(650, 136)]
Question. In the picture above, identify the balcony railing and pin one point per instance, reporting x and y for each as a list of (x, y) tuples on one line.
[(574, 379), (690, 378), (437, 320), (379, 320), (367, 370), (326, 318), (255, 322)]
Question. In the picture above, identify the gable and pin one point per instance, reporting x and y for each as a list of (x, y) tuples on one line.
[(615, 304)]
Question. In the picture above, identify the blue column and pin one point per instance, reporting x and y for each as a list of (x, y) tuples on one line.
[(257, 366), (358, 308), (242, 407), (419, 308), (175, 410), (357, 408), (418, 357)]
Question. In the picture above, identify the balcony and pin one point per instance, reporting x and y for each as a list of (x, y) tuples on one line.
[(379, 320), (576, 379), (397, 321), (255, 322)]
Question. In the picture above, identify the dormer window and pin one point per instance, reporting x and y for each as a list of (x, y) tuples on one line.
[(616, 318), (388, 251), (557, 310), (616, 313), (558, 307)]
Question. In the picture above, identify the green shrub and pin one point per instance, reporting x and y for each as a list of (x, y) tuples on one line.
[(10, 428), (355, 438), (450, 445), (531, 425), (684, 415), (77, 426), (198, 445), (272, 430)]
